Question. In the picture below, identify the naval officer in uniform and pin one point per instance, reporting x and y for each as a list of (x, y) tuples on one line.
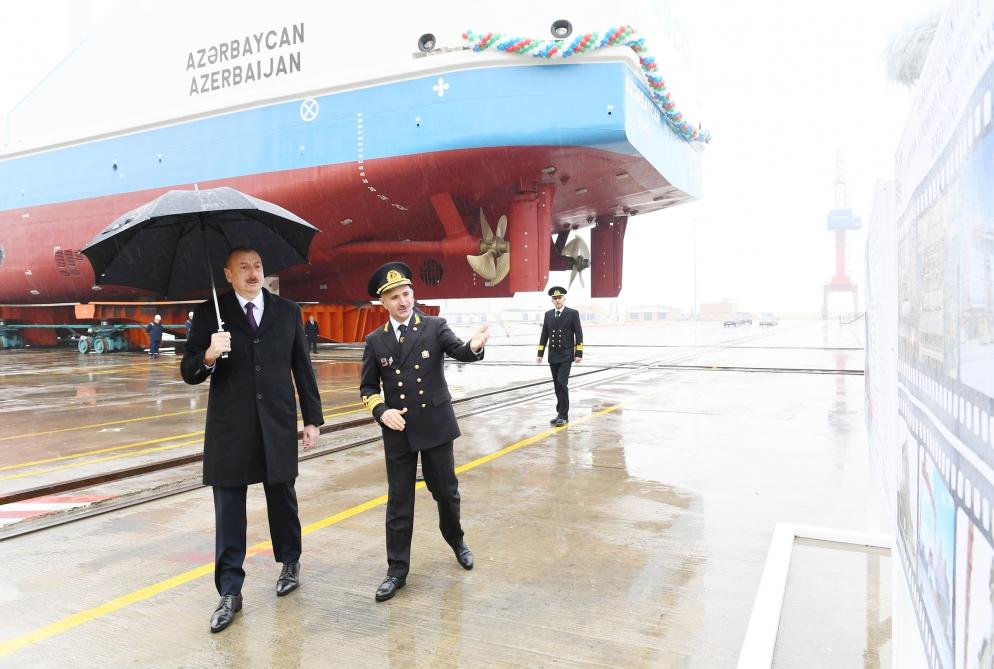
[(403, 359), (564, 336)]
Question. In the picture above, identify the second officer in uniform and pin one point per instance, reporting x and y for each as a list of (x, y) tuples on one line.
[(564, 336), (404, 359)]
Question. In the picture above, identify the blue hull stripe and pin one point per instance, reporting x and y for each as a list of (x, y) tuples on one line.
[(563, 105)]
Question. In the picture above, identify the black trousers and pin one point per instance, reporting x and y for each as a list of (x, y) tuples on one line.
[(230, 525), (313, 344), (560, 380), (438, 468)]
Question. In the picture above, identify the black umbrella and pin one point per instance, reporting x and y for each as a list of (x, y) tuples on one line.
[(179, 242)]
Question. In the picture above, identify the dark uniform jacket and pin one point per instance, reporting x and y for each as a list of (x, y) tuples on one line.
[(311, 330), (251, 434), (154, 331), (563, 335), (412, 376)]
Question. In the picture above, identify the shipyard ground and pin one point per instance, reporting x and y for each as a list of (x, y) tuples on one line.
[(633, 537)]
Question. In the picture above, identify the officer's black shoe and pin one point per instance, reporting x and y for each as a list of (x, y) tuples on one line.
[(559, 422), (389, 587), (464, 555), (553, 421), (225, 612), (289, 579)]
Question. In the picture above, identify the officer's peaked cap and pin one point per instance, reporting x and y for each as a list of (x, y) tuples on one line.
[(389, 276)]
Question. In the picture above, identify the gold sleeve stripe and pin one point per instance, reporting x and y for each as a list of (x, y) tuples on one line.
[(579, 347), (541, 347), (371, 401)]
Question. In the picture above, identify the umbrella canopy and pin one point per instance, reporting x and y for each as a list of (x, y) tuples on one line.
[(178, 242)]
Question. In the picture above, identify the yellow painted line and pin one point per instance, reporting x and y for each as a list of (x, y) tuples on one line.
[(346, 413), (125, 455), (91, 426), (17, 643), (103, 369), (143, 443), (42, 633), (139, 419), (338, 517), (97, 452), (76, 465), (128, 369), (531, 440)]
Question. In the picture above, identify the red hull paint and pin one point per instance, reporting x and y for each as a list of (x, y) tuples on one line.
[(39, 242)]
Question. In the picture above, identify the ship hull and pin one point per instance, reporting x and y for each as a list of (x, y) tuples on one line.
[(363, 166)]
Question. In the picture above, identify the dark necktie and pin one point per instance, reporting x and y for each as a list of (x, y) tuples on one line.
[(403, 331), (250, 312), (557, 314)]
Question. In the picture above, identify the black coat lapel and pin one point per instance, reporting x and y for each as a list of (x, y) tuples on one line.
[(269, 314), (232, 314), (391, 340)]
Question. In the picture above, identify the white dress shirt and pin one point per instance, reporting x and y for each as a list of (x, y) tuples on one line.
[(259, 303), (396, 325), (259, 306)]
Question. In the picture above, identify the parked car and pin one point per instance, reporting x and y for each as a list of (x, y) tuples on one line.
[(741, 318), (730, 322), (768, 319)]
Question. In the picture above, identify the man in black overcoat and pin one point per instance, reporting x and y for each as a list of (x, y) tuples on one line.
[(251, 434), (312, 332), (564, 336), (403, 360)]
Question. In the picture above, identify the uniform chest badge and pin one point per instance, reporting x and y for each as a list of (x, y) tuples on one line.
[(384, 363), (424, 354)]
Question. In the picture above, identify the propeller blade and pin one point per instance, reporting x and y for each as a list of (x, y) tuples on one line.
[(572, 275), (580, 275), (485, 232), (502, 226), (584, 248), (576, 248), (484, 265), (503, 267)]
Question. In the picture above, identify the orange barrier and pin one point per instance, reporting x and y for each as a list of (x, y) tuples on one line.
[(339, 323), (350, 323)]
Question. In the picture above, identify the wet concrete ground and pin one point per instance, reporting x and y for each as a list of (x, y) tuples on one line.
[(634, 537)]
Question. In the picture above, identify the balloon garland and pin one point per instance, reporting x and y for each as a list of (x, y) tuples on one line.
[(622, 36)]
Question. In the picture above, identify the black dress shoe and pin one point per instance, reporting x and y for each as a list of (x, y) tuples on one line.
[(553, 421), (464, 555), (225, 612), (289, 579), (389, 587), (559, 422)]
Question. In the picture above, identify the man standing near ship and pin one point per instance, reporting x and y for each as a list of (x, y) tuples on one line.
[(154, 330), (564, 335), (403, 385), (251, 430)]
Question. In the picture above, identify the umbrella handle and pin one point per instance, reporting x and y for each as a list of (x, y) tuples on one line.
[(225, 354)]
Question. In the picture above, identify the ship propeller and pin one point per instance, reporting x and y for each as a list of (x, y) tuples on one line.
[(579, 255), (494, 261)]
